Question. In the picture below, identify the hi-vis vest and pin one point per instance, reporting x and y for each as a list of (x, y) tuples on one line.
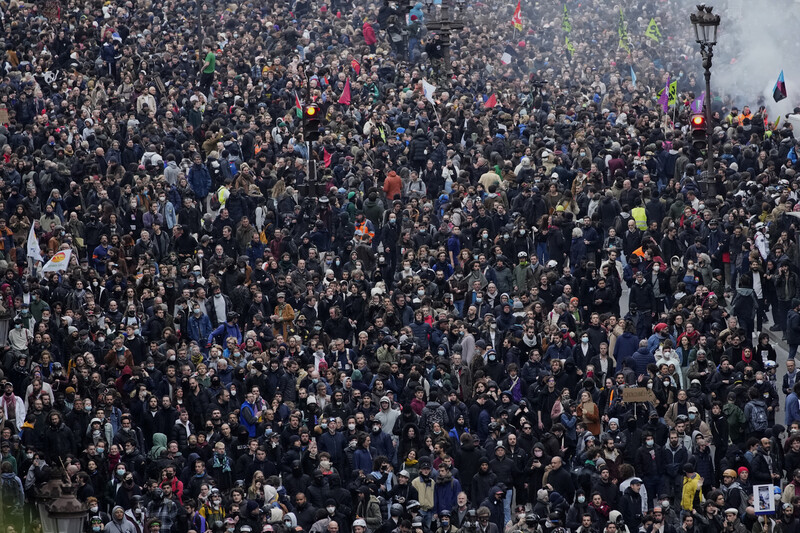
[(640, 216)]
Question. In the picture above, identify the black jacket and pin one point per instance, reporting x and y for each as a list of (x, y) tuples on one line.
[(631, 508), (59, 442)]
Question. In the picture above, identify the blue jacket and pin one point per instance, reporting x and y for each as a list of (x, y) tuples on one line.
[(445, 493), (334, 445), (554, 352), (168, 211), (199, 328), (792, 409), (200, 180), (625, 347), (703, 463), (654, 341), (642, 358), (382, 443), (255, 251), (362, 460), (229, 331), (249, 410)]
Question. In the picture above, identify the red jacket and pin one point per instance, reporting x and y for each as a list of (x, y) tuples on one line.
[(369, 34)]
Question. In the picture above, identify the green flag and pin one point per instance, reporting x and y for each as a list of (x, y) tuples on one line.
[(622, 30), (653, 31), (570, 47), (566, 25), (673, 93)]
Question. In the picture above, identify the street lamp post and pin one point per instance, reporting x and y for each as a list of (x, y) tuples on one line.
[(446, 26), (705, 24), (59, 508)]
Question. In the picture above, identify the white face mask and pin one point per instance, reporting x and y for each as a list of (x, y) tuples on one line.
[(351, 427)]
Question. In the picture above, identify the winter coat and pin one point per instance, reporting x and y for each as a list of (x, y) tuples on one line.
[(745, 303), (631, 507), (59, 442), (370, 511), (793, 328), (445, 493), (200, 180), (642, 358), (119, 526), (495, 506), (417, 148)]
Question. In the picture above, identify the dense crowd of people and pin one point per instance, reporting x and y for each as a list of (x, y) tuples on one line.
[(432, 315)]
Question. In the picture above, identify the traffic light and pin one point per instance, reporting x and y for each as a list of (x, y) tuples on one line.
[(699, 132), (312, 119)]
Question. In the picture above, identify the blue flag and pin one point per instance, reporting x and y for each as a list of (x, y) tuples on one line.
[(779, 92), (633, 77)]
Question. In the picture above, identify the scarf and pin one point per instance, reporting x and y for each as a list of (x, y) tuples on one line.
[(222, 462), (10, 402)]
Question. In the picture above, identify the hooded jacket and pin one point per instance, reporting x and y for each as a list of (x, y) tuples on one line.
[(631, 508), (120, 526)]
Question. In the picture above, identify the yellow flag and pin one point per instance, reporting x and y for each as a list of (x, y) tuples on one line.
[(673, 93), (566, 25), (653, 32), (622, 30), (570, 47)]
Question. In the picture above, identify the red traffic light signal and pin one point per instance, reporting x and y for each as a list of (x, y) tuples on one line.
[(698, 121)]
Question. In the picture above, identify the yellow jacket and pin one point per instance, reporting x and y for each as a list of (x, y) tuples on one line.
[(692, 488)]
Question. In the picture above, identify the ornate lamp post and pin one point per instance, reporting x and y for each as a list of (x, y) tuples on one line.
[(446, 26), (60, 510), (705, 24)]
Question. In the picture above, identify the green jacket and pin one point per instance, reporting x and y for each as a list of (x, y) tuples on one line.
[(736, 421)]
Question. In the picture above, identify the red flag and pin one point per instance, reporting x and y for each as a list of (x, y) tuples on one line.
[(516, 20), (345, 98), (327, 157), (491, 102), (356, 66)]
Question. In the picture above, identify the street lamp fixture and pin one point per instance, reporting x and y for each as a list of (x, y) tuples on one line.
[(705, 24), (59, 508)]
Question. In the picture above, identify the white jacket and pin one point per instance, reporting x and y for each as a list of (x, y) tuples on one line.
[(19, 409)]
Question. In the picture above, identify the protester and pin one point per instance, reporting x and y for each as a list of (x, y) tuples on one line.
[(219, 315)]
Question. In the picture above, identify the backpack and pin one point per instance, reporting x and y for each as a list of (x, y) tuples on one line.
[(214, 203), (759, 420), (9, 492)]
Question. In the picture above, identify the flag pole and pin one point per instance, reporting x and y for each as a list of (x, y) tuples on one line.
[(436, 113)]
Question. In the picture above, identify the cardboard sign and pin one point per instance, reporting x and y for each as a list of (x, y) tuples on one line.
[(638, 395), (3, 115), (764, 499)]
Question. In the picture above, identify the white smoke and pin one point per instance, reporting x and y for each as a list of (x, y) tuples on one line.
[(756, 40)]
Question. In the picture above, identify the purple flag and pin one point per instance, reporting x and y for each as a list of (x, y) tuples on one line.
[(664, 98), (697, 104), (664, 101)]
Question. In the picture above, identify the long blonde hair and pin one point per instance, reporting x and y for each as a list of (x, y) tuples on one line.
[(278, 190)]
